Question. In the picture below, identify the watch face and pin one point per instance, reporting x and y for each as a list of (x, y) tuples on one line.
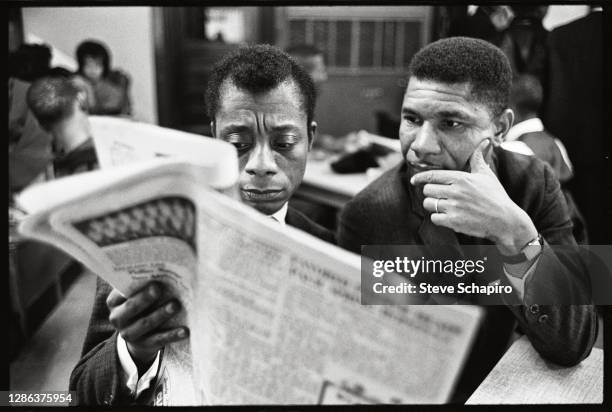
[(529, 252), (537, 241), (532, 250)]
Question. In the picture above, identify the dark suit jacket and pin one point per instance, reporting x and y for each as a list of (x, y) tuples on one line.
[(385, 213), (81, 159), (97, 376)]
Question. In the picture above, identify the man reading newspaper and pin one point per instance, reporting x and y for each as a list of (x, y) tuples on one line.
[(262, 102)]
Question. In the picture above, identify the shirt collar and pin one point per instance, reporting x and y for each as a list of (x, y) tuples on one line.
[(526, 126), (281, 215)]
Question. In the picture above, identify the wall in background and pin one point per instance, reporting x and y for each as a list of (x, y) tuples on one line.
[(128, 32)]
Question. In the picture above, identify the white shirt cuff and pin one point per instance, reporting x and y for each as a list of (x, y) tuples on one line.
[(130, 370), (519, 283)]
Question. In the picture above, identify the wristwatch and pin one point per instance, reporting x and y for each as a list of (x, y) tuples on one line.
[(529, 252)]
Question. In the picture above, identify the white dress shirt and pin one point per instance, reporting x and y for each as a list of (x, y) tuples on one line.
[(130, 371), (281, 215)]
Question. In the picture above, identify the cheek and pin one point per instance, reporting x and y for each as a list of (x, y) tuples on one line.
[(406, 136), (459, 152), (293, 164), (242, 161)]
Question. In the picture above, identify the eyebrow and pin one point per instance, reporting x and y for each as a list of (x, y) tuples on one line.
[(235, 128), (287, 127), (457, 114)]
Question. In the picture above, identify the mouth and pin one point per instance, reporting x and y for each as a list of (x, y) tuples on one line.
[(262, 195), (422, 166)]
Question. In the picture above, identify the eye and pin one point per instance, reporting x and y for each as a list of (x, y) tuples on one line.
[(241, 146), (412, 119), (240, 142), (285, 142), (450, 124)]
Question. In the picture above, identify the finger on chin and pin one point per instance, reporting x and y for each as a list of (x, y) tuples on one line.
[(444, 177)]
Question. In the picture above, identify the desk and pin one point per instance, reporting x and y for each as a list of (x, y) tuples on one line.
[(322, 185), (523, 377)]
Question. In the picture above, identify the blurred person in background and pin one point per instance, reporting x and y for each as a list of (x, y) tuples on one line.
[(31, 154), (487, 22), (312, 60), (109, 89), (528, 136), (30, 151), (327, 147), (60, 106), (525, 41)]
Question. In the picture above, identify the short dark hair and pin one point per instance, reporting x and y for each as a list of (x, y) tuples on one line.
[(258, 69), (526, 94), (59, 71), (51, 99), (303, 50), (30, 61), (467, 60), (95, 49)]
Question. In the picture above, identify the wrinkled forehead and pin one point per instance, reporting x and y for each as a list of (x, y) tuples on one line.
[(463, 89), (283, 101), (439, 95)]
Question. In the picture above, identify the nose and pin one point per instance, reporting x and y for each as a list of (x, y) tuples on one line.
[(261, 161), (426, 141)]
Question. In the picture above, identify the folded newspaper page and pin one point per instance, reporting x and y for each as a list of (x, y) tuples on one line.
[(274, 313)]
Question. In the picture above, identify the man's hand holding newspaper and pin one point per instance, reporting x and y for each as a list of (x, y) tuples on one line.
[(140, 320)]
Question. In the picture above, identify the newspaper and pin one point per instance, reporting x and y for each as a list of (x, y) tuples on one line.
[(274, 313)]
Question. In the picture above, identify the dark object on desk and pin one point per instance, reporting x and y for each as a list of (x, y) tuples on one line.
[(361, 160), (356, 162)]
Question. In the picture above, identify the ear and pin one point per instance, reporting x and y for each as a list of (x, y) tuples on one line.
[(82, 101), (213, 127), (312, 134), (503, 123)]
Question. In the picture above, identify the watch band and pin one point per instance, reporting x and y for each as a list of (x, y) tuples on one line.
[(528, 252)]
